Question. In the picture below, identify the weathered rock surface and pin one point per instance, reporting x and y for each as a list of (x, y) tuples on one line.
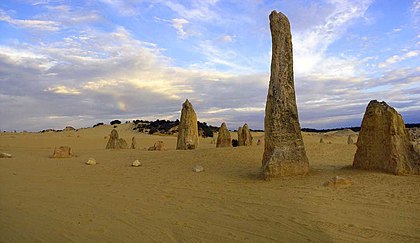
[(91, 161), (188, 128), (240, 137), (246, 135), (114, 142), (5, 155), (223, 138), (414, 133), (350, 140), (158, 146), (136, 163), (62, 152), (338, 181), (384, 143), (198, 168), (133, 143), (284, 151)]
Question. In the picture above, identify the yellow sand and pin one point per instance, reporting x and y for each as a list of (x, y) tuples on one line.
[(62, 200)]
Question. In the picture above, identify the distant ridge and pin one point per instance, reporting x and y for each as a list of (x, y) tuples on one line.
[(166, 125), (354, 129)]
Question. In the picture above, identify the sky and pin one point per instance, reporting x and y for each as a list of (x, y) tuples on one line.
[(77, 63)]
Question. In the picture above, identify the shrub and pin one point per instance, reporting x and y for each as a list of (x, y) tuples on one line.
[(115, 122)]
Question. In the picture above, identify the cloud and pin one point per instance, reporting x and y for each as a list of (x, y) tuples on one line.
[(227, 38), (311, 44), (125, 8), (110, 75), (97, 71), (44, 25), (198, 10), (63, 90), (179, 24), (397, 58)]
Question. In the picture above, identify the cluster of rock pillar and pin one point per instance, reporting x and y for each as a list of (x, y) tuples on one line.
[(383, 142)]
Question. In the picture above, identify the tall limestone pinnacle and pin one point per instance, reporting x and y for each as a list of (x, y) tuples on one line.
[(284, 151), (188, 128)]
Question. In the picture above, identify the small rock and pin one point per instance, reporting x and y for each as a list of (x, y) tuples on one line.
[(91, 161), (5, 155), (136, 163), (338, 181), (62, 152), (198, 168), (158, 146)]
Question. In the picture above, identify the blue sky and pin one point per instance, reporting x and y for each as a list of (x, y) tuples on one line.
[(77, 63)]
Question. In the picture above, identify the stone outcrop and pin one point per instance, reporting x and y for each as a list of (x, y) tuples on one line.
[(136, 163), (158, 146), (62, 152), (244, 136), (414, 133), (133, 143), (114, 142), (91, 161), (198, 168), (350, 140), (338, 181), (284, 151), (5, 155), (188, 128), (240, 137), (384, 143), (223, 138)]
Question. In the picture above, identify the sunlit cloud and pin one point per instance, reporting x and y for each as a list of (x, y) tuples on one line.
[(63, 90)]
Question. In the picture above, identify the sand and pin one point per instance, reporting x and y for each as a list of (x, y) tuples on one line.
[(64, 200)]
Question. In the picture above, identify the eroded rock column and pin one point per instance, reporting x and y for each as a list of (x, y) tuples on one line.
[(284, 151), (188, 128)]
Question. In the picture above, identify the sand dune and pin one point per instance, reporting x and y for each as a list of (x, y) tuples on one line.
[(61, 200)]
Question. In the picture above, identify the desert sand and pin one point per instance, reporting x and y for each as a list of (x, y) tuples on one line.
[(64, 200)]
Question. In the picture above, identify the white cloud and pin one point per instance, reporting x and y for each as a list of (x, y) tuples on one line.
[(311, 45), (398, 58), (199, 10), (179, 24), (30, 23)]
